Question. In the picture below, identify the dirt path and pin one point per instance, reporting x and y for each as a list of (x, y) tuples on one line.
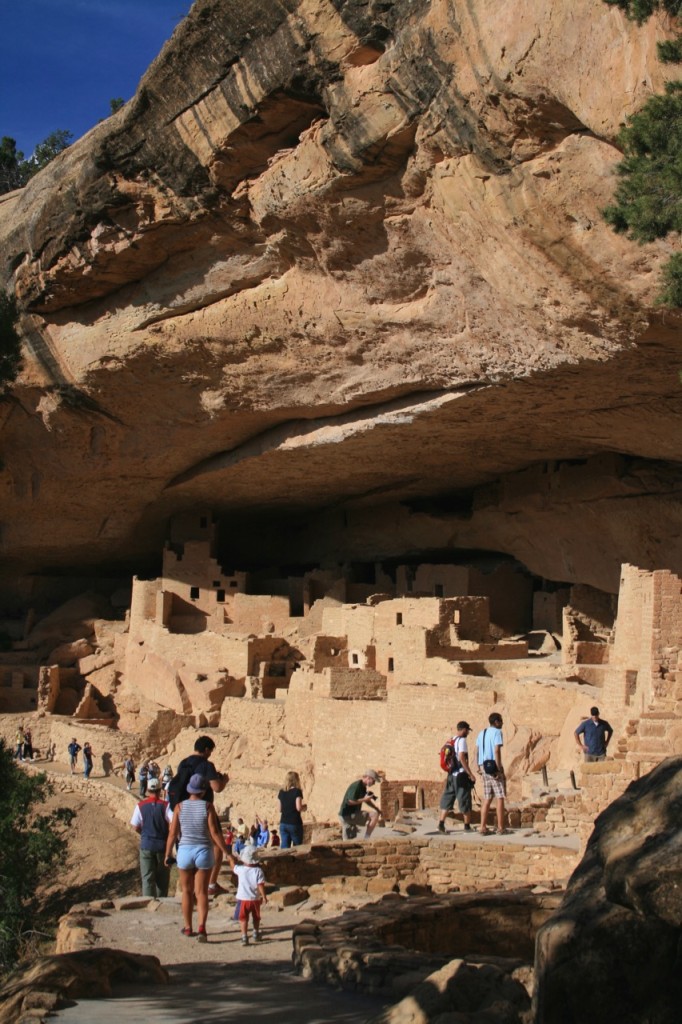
[(218, 980)]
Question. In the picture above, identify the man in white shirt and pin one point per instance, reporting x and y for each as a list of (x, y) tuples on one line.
[(460, 780), (489, 744)]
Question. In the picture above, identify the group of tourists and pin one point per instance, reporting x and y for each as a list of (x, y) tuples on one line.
[(185, 830), (74, 749), (23, 747), (177, 821), (359, 807), (181, 826), (147, 772)]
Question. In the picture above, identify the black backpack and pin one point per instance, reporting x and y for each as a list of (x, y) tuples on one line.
[(177, 790)]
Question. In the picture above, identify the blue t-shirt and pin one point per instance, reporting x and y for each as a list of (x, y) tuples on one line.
[(593, 735), (486, 741)]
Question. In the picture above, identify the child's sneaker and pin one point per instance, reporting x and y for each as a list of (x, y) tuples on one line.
[(255, 935), (201, 934), (245, 940)]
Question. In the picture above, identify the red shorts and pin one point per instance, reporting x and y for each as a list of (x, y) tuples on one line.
[(250, 907)]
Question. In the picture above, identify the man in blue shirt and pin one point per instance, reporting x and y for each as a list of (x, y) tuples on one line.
[(596, 736), (489, 743)]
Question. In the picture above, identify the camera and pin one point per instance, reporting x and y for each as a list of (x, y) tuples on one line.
[(170, 861)]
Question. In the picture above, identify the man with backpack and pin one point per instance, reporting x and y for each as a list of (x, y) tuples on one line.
[(460, 780), (151, 819), (198, 764)]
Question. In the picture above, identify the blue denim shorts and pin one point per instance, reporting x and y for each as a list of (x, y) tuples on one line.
[(192, 858)]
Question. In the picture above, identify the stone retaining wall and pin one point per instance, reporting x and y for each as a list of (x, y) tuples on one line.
[(398, 942), (410, 864)]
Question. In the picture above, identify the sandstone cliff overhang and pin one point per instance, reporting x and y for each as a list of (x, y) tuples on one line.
[(334, 255)]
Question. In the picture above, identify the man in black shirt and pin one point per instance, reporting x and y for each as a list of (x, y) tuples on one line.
[(198, 764)]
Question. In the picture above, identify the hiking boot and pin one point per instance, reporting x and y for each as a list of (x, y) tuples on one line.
[(467, 828), (255, 936), (441, 826)]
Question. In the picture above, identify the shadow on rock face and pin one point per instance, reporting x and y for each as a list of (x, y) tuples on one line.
[(613, 951)]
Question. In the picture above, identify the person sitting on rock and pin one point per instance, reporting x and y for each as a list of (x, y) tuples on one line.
[(596, 735), (351, 814)]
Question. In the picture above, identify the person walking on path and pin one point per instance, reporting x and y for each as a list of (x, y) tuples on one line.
[(351, 814), (250, 893), (73, 749), (196, 828), (198, 763), (596, 735), (87, 760), (489, 745), (143, 778), (129, 769), (460, 780), (151, 819), (28, 745), (291, 804), (19, 744)]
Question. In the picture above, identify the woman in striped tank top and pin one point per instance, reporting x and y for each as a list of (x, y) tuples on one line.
[(195, 825)]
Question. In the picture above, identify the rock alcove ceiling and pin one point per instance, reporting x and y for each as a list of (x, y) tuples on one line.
[(338, 273)]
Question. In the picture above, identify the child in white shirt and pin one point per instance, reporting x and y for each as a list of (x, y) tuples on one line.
[(250, 892)]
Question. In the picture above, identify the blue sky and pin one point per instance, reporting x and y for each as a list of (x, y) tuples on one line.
[(61, 61)]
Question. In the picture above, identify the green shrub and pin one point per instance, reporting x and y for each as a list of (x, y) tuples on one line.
[(649, 196), (30, 843), (10, 342), (641, 10)]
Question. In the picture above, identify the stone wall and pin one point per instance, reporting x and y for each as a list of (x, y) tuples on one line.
[(390, 864)]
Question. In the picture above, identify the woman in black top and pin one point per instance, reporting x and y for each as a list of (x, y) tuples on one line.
[(291, 805)]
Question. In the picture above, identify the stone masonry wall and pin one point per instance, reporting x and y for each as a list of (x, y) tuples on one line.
[(385, 865)]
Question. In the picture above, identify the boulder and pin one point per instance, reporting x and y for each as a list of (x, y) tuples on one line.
[(88, 974), (611, 953)]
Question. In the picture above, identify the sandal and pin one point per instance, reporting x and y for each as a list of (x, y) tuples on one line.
[(186, 931), (503, 831), (484, 832)]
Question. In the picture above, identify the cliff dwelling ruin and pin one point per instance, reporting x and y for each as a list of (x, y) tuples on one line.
[(343, 415)]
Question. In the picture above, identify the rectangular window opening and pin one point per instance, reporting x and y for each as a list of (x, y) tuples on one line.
[(390, 665), (220, 596), (194, 593), (399, 619), (438, 590)]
